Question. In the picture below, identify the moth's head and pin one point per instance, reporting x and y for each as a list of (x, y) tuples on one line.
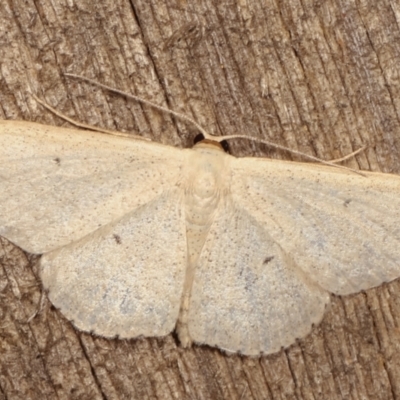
[(200, 141)]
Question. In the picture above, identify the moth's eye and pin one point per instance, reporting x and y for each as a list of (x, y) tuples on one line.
[(225, 146), (199, 137)]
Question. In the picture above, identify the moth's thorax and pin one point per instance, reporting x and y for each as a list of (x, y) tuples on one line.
[(207, 176), (207, 179)]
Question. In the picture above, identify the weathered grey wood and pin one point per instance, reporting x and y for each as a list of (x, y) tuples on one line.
[(319, 77)]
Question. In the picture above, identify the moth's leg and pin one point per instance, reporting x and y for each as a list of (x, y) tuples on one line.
[(353, 154)]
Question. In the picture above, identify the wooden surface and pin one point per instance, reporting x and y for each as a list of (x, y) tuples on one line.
[(322, 77)]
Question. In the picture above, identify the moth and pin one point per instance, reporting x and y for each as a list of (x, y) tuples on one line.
[(139, 238)]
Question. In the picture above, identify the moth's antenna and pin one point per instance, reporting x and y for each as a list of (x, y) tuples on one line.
[(85, 126), (147, 102), (331, 163), (220, 138)]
